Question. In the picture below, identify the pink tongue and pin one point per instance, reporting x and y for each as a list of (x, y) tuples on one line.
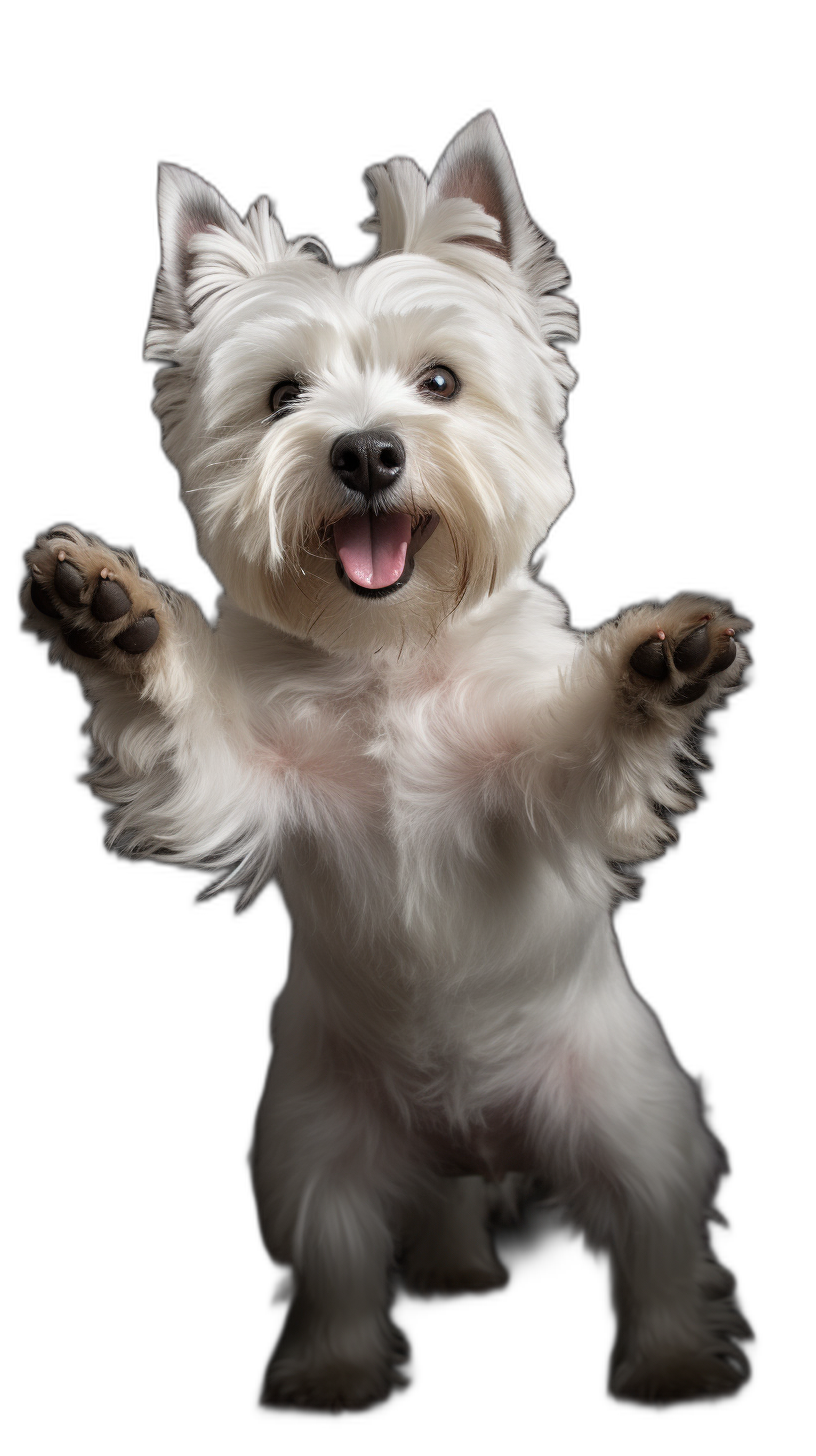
[(372, 548)]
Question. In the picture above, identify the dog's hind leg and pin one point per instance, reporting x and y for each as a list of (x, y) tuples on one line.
[(637, 1167), (325, 1174), (447, 1246)]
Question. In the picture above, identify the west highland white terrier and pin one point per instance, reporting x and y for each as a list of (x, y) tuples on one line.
[(394, 718)]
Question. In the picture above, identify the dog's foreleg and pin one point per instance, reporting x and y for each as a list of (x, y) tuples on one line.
[(615, 741), (166, 716)]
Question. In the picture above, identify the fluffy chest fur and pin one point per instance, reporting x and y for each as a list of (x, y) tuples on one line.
[(406, 763), (407, 860)]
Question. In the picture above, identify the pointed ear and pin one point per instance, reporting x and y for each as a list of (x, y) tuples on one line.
[(478, 166), (187, 205)]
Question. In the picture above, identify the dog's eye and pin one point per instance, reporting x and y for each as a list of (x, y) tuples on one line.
[(284, 395), (440, 382)]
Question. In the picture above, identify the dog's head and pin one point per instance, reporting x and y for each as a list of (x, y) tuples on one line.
[(366, 451)]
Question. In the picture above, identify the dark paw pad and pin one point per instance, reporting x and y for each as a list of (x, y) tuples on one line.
[(689, 693), (723, 658), (651, 659), (41, 600), (693, 650), (82, 642), (68, 582), (139, 637), (110, 601)]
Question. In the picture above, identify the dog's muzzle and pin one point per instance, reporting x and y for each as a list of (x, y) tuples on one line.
[(375, 551)]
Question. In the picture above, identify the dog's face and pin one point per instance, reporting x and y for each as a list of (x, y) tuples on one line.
[(366, 452)]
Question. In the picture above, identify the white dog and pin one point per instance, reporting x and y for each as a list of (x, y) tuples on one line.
[(394, 718)]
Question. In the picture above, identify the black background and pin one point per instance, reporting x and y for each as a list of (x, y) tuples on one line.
[(142, 1037)]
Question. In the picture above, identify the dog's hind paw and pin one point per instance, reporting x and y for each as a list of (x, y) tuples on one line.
[(655, 1380), (458, 1278), (93, 602), (688, 652), (331, 1386)]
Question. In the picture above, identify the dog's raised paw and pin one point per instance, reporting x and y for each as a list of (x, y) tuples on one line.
[(91, 600), (692, 650)]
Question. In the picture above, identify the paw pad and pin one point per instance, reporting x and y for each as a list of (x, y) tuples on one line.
[(689, 693), (83, 642), (68, 582), (110, 601), (100, 598), (140, 637), (698, 655), (41, 600), (651, 659), (693, 650)]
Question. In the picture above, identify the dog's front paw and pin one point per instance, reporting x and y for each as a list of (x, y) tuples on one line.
[(690, 652), (93, 602)]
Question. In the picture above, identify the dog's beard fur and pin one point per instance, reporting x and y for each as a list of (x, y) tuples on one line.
[(488, 464)]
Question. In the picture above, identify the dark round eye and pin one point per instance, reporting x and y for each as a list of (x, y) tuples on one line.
[(284, 395), (440, 382)]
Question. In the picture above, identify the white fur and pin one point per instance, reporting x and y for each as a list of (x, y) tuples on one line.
[(445, 781)]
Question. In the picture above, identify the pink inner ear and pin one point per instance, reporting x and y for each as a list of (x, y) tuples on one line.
[(476, 179)]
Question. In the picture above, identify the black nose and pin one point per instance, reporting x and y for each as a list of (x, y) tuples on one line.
[(369, 461)]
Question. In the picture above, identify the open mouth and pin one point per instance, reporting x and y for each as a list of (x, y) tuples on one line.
[(375, 552)]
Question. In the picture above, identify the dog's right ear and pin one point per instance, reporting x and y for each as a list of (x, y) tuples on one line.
[(188, 207)]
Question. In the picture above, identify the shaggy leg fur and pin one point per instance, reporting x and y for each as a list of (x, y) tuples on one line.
[(639, 1168), (448, 1247), (324, 1177)]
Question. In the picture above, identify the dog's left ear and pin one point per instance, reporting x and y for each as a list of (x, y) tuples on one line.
[(476, 165)]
